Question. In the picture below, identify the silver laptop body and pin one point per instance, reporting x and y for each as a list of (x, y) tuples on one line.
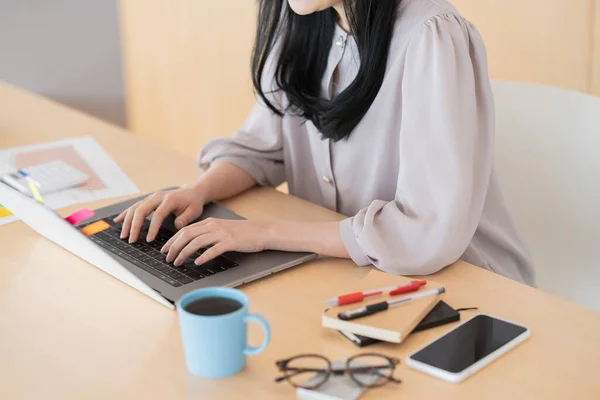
[(252, 266)]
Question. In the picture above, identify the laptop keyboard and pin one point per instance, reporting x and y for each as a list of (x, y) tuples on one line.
[(148, 257)]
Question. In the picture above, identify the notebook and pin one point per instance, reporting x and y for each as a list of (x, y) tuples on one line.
[(392, 325), (441, 314)]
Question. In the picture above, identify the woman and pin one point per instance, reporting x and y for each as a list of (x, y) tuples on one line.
[(377, 109)]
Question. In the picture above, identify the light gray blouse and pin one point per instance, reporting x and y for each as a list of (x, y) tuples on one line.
[(416, 176)]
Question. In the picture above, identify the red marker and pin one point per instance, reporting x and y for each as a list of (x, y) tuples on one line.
[(360, 296)]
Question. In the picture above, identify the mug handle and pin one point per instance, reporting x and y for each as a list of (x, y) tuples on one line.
[(260, 320)]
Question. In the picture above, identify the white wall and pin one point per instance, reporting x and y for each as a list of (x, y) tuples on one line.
[(68, 50)]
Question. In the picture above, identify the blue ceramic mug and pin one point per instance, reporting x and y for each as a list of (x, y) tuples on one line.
[(216, 346)]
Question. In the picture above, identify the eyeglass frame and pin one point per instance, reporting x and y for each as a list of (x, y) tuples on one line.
[(393, 362)]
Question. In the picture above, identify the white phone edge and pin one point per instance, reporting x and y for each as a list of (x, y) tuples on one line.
[(472, 369)]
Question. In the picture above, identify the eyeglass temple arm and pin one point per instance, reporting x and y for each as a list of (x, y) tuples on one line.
[(296, 371)]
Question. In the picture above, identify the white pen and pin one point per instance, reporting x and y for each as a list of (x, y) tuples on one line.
[(384, 305)]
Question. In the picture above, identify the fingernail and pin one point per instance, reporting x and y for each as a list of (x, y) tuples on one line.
[(163, 250), (148, 239), (131, 240), (198, 262), (169, 259), (177, 263), (179, 224)]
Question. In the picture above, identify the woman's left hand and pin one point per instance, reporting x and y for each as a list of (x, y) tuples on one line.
[(223, 235)]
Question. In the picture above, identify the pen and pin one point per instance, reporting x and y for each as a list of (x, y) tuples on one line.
[(360, 296), (384, 305)]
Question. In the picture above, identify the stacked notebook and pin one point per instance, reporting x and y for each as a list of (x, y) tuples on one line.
[(392, 325)]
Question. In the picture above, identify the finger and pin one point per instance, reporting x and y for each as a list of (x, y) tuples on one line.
[(184, 237), (140, 214), (120, 217), (188, 215), (127, 222), (198, 243), (211, 253), (167, 246), (158, 218)]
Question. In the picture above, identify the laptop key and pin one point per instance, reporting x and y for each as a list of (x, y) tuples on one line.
[(105, 245), (129, 258), (121, 246), (154, 263), (195, 275), (185, 280), (112, 240), (212, 264), (161, 239), (172, 273), (226, 262), (184, 270), (162, 268), (145, 259), (219, 268), (154, 253), (155, 245), (159, 257), (159, 275), (147, 268), (131, 250), (172, 282)]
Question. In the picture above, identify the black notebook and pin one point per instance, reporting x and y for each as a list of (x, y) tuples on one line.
[(441, 314)]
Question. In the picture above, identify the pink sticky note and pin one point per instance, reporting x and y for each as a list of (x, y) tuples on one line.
[(79, 216)]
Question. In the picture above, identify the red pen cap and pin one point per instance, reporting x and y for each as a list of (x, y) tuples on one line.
[(412, 287)]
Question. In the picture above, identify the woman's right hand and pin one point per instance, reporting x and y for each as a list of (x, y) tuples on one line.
[(186, 203)]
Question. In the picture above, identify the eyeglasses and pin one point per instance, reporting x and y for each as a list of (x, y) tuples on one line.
[(311, 371)]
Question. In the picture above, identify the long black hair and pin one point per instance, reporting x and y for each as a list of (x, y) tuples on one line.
[(305, 42)]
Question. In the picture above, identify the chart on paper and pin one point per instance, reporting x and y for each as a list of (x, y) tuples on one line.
[(105, 177)]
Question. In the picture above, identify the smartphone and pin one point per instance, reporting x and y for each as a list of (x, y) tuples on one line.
[(467, 348)]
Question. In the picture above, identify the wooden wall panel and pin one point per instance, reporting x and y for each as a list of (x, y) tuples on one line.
[(595, 70), (541, 41), (187, 68), (186, 62)]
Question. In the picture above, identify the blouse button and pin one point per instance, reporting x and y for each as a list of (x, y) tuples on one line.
[(327, 180), (340, 42)]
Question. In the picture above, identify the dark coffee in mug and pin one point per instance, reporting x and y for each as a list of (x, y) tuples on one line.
[(208, 306)]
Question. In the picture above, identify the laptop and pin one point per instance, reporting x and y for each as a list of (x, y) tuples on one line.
[(140, 264)]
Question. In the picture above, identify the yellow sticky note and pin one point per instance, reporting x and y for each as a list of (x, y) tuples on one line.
[(94, 228), (4, 212)]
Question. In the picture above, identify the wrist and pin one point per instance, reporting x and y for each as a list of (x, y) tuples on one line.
[(201, 191), (270, 235)]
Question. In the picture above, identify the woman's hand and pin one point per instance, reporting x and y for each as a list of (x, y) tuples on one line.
[(222, 235), (186, 203)]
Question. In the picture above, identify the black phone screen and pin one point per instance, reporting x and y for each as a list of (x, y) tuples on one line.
[(464, 346)]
